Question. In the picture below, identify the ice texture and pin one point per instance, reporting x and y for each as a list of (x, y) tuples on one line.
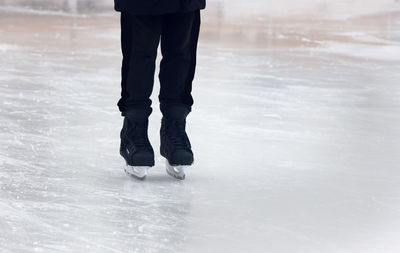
[(295, 131)]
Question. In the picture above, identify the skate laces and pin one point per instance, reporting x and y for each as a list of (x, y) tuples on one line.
[(141, 142), (178, 136), (138, 135)]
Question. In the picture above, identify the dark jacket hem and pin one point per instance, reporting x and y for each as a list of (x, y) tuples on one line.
[(122, 6)]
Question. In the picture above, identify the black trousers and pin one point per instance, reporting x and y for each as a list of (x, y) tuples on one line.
[(140, 37)]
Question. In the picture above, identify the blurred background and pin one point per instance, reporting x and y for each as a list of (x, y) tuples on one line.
[(295, 130)]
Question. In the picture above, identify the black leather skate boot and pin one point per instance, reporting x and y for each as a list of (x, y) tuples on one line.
[(135, 145), (175, 144)]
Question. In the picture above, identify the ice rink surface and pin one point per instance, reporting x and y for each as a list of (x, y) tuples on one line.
[(295, 131)]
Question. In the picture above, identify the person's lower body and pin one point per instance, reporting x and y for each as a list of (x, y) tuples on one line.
[(140, 37)]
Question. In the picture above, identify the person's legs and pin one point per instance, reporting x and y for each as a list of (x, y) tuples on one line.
[(140, 36), (179, 39)]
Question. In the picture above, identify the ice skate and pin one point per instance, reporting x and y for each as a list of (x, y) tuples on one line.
[(135, 145), (176, 171), (139, 172), (175, 144)]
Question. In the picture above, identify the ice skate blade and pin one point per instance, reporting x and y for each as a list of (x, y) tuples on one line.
[(176, 171), (139, 172)]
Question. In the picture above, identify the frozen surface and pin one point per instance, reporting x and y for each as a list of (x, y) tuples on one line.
[(295, 131)]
